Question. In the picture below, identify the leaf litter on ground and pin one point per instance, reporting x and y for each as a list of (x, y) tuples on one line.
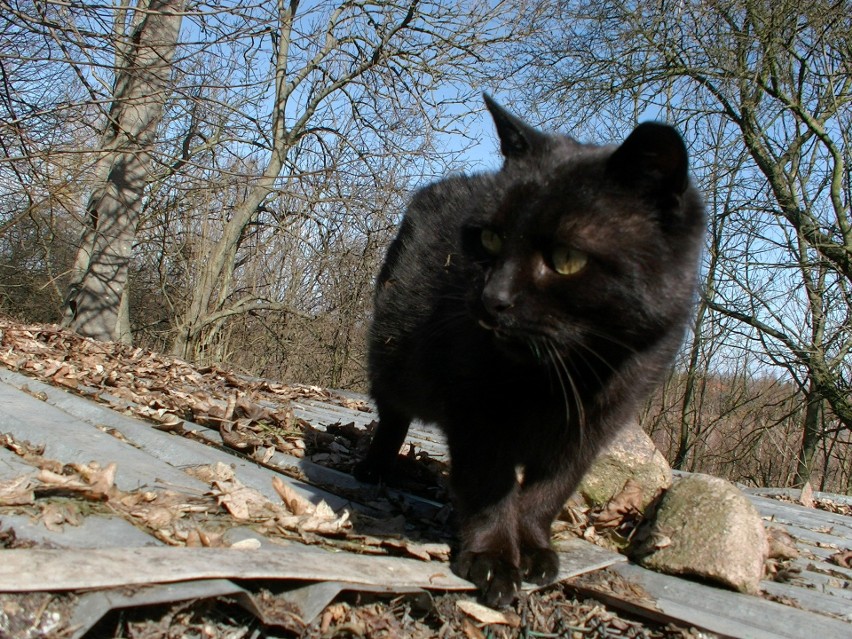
[(255, 418)]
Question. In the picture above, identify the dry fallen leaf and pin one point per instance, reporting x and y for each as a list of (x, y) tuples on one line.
[(211, 472), (239, 500), (156, 517), (424, 552), (295, 503), (471, 631), (486, 615), (318, 525), (197, 538), (842, 558), (100, 480), (51, 479), (17, 491), (55, 516), (781, 544), (627, 503)]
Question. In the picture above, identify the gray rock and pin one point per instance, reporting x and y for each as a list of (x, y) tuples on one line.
[(631, 456), (707, 528)]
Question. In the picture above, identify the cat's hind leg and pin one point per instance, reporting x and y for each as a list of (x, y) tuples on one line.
[(388, 438)]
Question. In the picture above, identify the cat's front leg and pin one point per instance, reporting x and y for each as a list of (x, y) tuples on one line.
[(545, 490), (539, 562), (485, 494)]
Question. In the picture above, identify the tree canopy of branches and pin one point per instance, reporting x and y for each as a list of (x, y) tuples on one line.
[(233, 167), (763, 91)]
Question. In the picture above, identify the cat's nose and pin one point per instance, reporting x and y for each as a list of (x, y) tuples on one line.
[(498, 297)]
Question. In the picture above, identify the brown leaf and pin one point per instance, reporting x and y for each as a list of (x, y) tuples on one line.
[(628, 502), (295, 503), (171, 426), (197, 538), (471, 631), (486, 615), (212, 472), (251, 411), (229, 411), (55, 516), (283, 416), (781, 544), (66, 376), (239, 500), (320, 523), (236, 436), (17, 491), (263, 454), (156, 517), (842, 558), (100, 480), (308, 517), (51, 479)]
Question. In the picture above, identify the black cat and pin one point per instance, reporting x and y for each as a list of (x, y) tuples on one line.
[(527, 312)]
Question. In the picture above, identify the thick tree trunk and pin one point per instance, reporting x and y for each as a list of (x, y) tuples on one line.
[(94, 304), (811, 435)]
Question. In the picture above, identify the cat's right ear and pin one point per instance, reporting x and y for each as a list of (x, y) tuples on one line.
[(654, 156), (517, 138)]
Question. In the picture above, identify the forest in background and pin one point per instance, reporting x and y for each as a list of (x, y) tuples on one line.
[(219, 180)]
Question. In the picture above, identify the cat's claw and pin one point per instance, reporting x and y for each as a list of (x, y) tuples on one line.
[(539, 565), (498, 581)]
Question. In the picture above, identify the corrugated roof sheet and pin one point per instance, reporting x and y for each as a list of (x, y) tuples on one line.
[(104, 551)]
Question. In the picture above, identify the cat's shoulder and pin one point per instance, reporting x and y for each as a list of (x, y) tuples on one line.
[(445, 203), (454, 186)]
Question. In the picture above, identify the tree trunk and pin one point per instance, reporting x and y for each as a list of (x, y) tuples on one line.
[(811, 435), (217, 269), (94, 304), (687, 407)]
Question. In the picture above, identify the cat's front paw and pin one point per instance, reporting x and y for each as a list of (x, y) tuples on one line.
[(498, 580), (539, 565)]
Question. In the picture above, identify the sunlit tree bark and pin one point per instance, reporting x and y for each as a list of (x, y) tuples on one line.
[(94, 304)]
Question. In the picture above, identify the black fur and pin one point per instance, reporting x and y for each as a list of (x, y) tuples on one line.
[(524, 368)]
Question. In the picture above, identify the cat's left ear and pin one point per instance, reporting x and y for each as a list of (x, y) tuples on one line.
[(653, 156), (517, 138)]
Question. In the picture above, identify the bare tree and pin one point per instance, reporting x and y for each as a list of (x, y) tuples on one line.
[(351, 85), (280, 122), (96, 305), (42, 115)]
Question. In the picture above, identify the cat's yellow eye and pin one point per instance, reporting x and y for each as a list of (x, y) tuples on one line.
[(491, 241), (568, 261)]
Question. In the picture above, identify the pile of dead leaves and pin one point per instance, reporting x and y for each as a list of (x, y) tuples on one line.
[(252, 416), (173, 517), (615, 526), (57, 494), (554, 612)]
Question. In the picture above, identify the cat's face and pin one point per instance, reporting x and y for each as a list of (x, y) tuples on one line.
[(588, 249)]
